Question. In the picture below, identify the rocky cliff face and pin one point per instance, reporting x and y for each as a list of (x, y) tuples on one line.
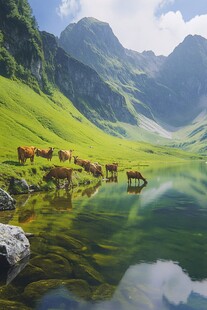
[(185, 73), (90, 94)]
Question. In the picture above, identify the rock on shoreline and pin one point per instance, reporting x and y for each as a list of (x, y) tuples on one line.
[(14, 245), (6, 201)]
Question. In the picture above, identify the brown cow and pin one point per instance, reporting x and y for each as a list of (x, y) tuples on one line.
[(81, 162), (45, 153), (65, 155), (59, 173), (98, 166), (135, 175), (25, 152), (94, 168), (113, 168)]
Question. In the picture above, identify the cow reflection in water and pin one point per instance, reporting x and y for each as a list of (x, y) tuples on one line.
[(112, 179), (61, 201), (91, 191), (135, 189), (27, 213)]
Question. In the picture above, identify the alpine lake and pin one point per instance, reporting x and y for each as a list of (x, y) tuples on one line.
[(110, 246)]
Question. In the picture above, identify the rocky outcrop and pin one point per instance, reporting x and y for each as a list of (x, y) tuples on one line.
[(18, 186), (6, 201), (14, 245)]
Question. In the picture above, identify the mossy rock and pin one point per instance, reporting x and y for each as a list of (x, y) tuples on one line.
[(31, 273), (8, 292), (36, 290), (88, 273), (79, 287), (68, 242), (39, 244), (106, 260), (18, 186), (69, 255), (12, 305), (104, 291), (53, 265)]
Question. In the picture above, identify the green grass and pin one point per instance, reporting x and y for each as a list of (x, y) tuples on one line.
[(27, 118), (193, 137)]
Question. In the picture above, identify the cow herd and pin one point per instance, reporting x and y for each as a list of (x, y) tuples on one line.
[(29, 152)]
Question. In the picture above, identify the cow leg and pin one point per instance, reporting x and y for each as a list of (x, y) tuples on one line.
[(57, 183), (69, 183)]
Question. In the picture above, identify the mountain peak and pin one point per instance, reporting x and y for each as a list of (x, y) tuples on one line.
[(190, 43), (85, 23), (92, 42), (195, 38), (91, 21)]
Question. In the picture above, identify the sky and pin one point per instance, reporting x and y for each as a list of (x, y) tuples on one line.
[(140, 25)]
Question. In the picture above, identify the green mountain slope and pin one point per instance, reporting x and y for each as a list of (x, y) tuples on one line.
[(193, 137)]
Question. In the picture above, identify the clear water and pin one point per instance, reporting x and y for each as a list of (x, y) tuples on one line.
[(110, 246)]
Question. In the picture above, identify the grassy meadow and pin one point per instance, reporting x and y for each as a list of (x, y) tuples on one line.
[(28, 118)]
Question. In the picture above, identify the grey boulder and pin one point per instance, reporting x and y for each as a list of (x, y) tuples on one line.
[(6, 201), (14, 245)]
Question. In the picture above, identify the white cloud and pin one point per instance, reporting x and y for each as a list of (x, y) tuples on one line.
[(135, 23), (68, 8), (164, 280)]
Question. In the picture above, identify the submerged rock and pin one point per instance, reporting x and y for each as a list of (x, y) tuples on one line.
[(14, 245), (104, 291), (6, 201), (48, 263), (71, 290), (87, 272), (8, 305)]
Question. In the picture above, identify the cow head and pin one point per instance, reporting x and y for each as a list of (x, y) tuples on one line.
[(75, 159), (37, 152)]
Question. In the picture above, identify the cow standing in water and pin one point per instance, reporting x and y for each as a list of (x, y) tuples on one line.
[(59, 173), (113, 168), (136, 175), (25, 152)]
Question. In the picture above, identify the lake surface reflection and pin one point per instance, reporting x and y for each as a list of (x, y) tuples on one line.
[(114, 246)]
